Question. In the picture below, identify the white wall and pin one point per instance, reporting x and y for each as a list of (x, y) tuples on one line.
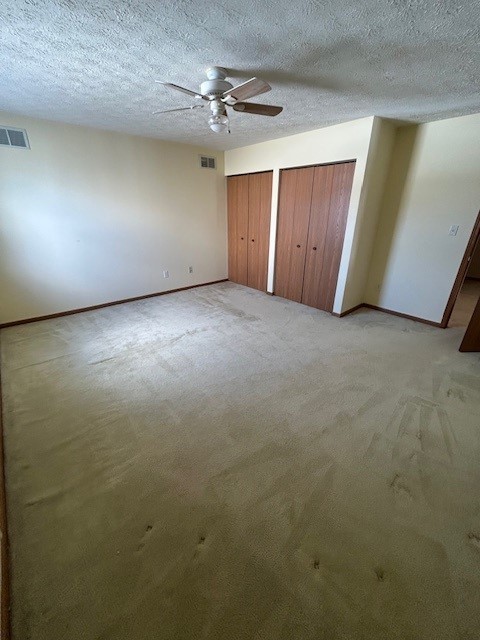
[(433, 183), (89, 216), (348, 141)]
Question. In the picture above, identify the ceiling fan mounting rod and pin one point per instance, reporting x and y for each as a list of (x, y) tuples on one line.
[(216, 73)]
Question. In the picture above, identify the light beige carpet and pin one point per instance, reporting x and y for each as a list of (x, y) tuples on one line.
[(220, 464)]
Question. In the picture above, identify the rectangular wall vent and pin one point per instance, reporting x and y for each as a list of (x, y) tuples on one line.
[(207, 163), (10, 137)]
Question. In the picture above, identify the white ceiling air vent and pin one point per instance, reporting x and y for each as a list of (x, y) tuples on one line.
[(10, 137), (207, 163)]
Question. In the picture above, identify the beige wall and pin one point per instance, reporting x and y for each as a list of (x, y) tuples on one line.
[(378, 160), (89, 216), (433, 183), (346, 141)]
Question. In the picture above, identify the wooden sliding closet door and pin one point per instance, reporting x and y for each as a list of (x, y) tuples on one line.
[(237, 198), (249, 206), (332, 185), (259, 210), (312, 216), (312, 293), (292, 231)]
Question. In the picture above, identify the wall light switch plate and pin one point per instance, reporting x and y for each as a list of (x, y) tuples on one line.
[(166, 274), (190, 269), (453, 230)]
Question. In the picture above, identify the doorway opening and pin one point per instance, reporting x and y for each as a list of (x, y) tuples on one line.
[(466, 289), (465, 302)]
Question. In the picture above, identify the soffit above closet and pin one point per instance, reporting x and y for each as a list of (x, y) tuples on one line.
[(94, 62)]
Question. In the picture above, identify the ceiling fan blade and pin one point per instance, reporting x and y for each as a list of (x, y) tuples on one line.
[(194, 94), (194, 106), (248, 89), (257, 109)]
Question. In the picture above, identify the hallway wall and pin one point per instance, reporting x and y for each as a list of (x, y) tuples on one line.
[(433, 183)]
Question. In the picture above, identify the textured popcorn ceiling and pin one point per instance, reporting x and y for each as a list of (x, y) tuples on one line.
[(94, 62)]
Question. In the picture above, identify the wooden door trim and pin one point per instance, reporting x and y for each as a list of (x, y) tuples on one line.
[(250, 173), (462, 272), (5, 551), (471, 339), (317, 164)]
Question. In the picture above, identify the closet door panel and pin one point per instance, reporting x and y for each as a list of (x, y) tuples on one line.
[(237, 206), (292, 231), (259, 208), (337, 221), (313, 293)]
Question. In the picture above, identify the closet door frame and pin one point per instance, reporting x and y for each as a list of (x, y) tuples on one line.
[(303, 166)]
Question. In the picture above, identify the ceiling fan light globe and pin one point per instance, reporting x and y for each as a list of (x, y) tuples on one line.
[(218, 123)]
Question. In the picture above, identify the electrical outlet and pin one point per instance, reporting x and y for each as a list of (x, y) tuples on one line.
[(166, 274), (190, 269)]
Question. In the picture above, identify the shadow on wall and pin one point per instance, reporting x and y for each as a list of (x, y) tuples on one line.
[(394, 193)]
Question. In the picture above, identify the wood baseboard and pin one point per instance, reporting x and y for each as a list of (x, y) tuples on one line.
[(4, 552), (402, 315), (366, 305), (14, 323), (348, 311)]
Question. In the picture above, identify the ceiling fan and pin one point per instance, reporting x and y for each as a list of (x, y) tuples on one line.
[(220, 94)]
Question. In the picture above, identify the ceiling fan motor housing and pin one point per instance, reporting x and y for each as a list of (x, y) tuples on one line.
[(214, 88)]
